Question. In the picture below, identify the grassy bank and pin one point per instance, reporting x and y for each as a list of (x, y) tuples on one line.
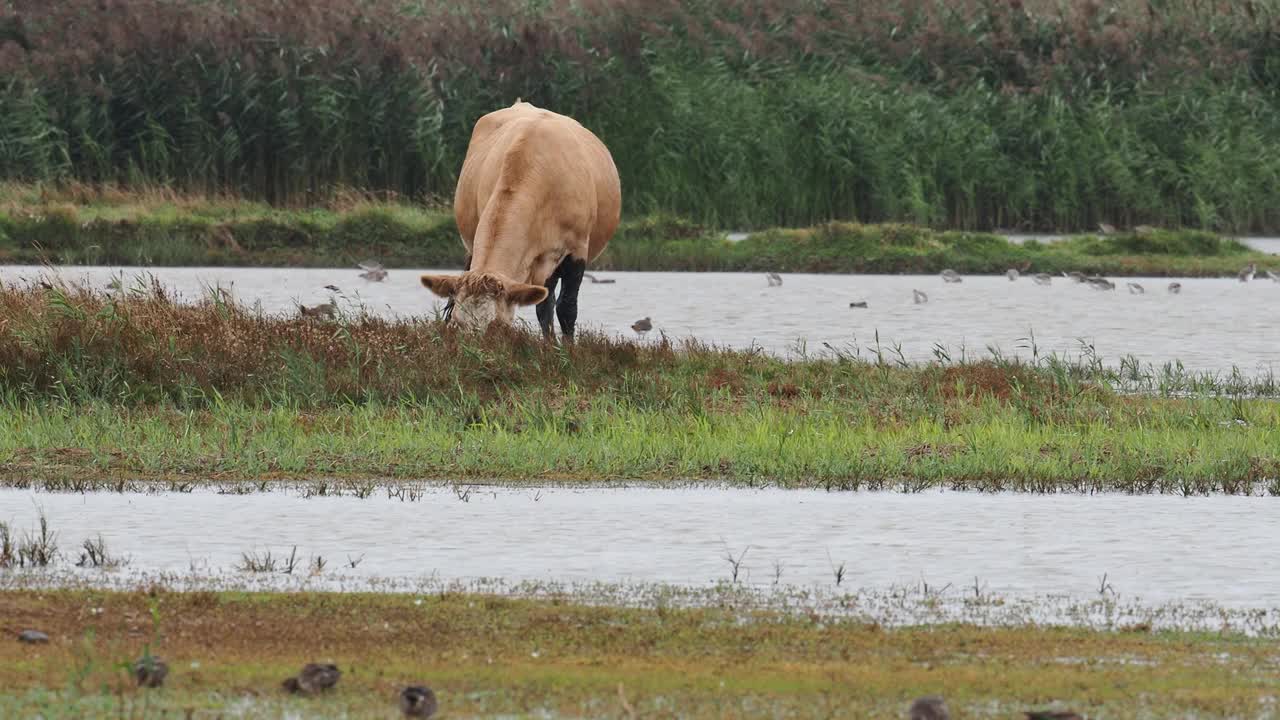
[(98, 389), (489, 656), (84, 225), (1030, 114)]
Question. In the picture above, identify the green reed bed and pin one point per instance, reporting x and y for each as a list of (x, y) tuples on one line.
[(1040, 114), (98, 389), (77, 224)]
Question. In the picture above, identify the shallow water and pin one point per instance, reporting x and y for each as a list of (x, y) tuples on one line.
[(1213, 325), (1157, 548)]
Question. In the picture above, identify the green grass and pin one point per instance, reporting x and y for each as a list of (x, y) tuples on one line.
[(96, 389), (1187, 447), (557, 657), (101, 226)]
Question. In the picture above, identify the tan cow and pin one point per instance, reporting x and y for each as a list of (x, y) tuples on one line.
[(538, 198)]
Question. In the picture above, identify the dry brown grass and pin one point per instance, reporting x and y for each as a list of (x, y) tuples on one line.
[(486, 655)]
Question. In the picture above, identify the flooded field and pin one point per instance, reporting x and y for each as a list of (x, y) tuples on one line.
[(1159, 549), (1211, 325)]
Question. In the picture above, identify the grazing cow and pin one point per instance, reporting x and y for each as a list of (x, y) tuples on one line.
[(538, 198)]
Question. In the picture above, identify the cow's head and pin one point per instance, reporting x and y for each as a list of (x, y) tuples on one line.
[(481, 298)]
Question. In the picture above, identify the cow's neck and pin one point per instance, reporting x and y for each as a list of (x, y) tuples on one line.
[(506, 259)]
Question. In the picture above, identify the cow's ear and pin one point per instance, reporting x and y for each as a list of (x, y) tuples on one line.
[(446, 286), (524, 294)]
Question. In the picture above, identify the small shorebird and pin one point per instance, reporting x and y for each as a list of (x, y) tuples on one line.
[(598, 281), (1135, 289), (1175, 288), (642, 326), (929, 707), (774, 279), (951, 276), (1075, 276), (150, 671), (1100, 283), (1012, 274), (1247, 274), (314, 678), (1052, 715), (418, 701), (858, 304), (1042, 278), (329, 310), (372, 271), (1106, 229), (919, 297)]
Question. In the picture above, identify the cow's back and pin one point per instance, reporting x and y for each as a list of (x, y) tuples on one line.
[(536, 153)]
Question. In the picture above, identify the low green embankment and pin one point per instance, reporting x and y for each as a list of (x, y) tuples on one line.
[(99, 391), (81, 226)]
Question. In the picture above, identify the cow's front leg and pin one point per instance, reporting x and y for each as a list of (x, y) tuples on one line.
[(571, 271), (547, 308)]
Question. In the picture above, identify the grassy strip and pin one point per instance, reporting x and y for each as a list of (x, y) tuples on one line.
[(1177, 447), (100, 226), (133, 385), (488, 655)]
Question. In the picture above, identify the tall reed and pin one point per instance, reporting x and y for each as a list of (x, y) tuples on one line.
[(747, 113)]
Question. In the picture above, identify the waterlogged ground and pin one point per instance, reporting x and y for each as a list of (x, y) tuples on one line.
[(1159, 549), (1212, 325)]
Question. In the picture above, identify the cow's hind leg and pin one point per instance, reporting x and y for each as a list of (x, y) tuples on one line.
[(448, 306), (547, 308), (571, 271)]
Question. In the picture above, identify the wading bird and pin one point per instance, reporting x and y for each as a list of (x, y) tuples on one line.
[(642, 326), (919, 297), (1175, 288), (373, 271), (313, 678), (1135, 289), (929, 707), (1042, 278), (418, 701), (774, 279), (150, 671), (1075, 276), (1100, 283), (951, 276), (329, 310)]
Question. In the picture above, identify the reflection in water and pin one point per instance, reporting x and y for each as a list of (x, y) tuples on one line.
[(1158, 548), (1212, 324)]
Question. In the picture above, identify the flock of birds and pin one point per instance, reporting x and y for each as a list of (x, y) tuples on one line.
[(416, 701), (374, 272), (932, 707), (419, 701)]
